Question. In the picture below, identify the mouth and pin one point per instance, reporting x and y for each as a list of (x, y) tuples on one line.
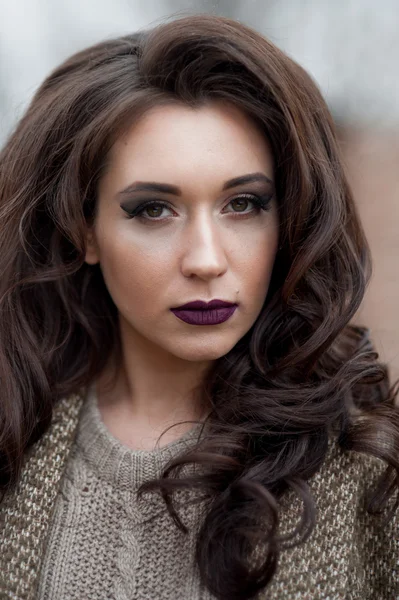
[(205, 313)]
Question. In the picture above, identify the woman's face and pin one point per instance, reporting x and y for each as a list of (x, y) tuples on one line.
[(186, 211)]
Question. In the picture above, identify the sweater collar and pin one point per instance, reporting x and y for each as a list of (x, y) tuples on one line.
[(116, 463)]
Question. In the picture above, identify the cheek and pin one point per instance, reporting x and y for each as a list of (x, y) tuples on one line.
[(134, 276), (254, 257)]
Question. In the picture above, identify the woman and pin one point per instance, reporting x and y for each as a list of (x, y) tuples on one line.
[(181, 254)]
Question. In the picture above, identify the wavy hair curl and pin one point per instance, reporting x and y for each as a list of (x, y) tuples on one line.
[(301, 374)]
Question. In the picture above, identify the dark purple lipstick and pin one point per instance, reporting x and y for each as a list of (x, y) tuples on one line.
[(205, 313)]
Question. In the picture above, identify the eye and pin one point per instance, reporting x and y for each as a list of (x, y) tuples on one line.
[(249, 203), (148, 211), (240, 204), (154, 210)]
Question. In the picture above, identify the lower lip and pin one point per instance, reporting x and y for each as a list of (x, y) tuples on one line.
[(212, 316)]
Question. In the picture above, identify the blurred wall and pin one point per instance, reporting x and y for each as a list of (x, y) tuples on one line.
[(349, 46), (372, 159)]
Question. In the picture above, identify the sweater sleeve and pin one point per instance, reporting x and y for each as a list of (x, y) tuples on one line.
[(377, 539)]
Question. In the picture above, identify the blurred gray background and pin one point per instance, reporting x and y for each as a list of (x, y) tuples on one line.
[(351, 49)]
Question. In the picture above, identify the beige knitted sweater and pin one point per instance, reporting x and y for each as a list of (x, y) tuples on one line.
[(74, 529)]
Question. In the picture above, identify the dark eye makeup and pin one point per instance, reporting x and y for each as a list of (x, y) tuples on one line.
[(138, 208)]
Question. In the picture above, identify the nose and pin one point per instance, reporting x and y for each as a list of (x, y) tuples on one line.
[(204, 255)]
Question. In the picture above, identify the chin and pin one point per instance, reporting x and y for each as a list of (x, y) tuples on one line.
[(203, 352)]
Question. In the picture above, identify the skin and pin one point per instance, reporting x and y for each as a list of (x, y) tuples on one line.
[(201, 247)]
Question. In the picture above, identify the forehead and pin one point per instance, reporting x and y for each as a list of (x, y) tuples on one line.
[(183, 145)]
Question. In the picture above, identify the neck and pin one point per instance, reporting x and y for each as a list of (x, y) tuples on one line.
[(151, 385)]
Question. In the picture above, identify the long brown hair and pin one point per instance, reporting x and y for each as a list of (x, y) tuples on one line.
[(300, 375)]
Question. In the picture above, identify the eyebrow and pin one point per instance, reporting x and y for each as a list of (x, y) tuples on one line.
[(167, 188)]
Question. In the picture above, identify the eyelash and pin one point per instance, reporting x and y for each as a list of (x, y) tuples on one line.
[(261, 202)]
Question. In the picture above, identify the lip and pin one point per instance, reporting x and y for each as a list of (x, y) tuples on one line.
[(201, 305), (205, 313)]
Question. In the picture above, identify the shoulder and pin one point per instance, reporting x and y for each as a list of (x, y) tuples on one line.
[(45, 460), (25, 510), (349, 553), (347, 473), (341, 483), (342, 489)]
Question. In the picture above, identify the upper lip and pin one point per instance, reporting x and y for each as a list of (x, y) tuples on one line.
[(201, 305)]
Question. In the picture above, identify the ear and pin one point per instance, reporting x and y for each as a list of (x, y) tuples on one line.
[(92, 254)]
